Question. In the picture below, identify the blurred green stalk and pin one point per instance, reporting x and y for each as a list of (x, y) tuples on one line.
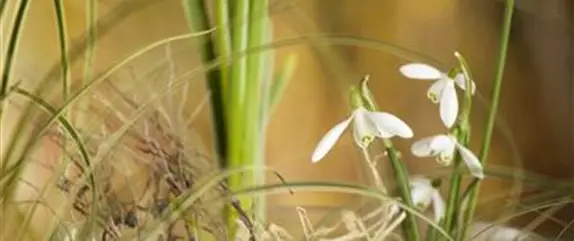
[(240, 92)]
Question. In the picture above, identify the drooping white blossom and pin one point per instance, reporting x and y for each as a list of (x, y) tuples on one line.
[(424, 194), (442, 91), (443, 148), (366, 126)]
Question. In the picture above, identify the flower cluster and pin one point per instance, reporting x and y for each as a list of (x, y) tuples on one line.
[(369, 124)]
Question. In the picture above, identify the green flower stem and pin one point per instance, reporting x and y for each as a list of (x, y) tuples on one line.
[(453, 199), (410, 227), (462, 133), (496, 89)]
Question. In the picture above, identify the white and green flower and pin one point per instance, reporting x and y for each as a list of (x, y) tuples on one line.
[(442, 91), (424, 194), (366, 126), (443, 147)]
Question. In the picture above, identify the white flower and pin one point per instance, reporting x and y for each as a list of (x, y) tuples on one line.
[(423, 193), (443, 147), (442, 91), (367, 126)]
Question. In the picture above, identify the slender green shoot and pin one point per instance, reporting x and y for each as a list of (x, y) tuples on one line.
[(496, 90)]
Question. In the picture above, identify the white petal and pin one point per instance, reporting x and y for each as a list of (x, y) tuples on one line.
[(472, 162), (363, 130), (421, 195), (461, 82), (329, 140), (448, 105), (438, 206), (389, 125), (433, 145), (434, 93), (420, 71)]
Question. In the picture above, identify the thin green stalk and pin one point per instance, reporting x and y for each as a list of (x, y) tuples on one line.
[(91, 37), (496, 89), (254, 101), (11, 52), (90, 45), (410, 227), (462, 133), (63, 41), (453, 199)]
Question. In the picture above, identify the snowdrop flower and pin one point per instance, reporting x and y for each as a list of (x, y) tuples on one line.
[(443, 147), (423, 193), (367, 126), (442, 91)]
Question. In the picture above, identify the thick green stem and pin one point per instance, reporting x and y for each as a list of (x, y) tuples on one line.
[(254, 101), (198, 21), (223, 45), (496, 89), (236, 109)]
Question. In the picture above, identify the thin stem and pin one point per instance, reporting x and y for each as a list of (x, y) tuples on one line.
[(410, 227), (373, 167), (11, 52), (496, 89), (91, 37), (453, 200), (63, 41), (462, 133)]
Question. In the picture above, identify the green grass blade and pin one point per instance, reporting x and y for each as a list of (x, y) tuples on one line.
[(496, 89), (11, 52)]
